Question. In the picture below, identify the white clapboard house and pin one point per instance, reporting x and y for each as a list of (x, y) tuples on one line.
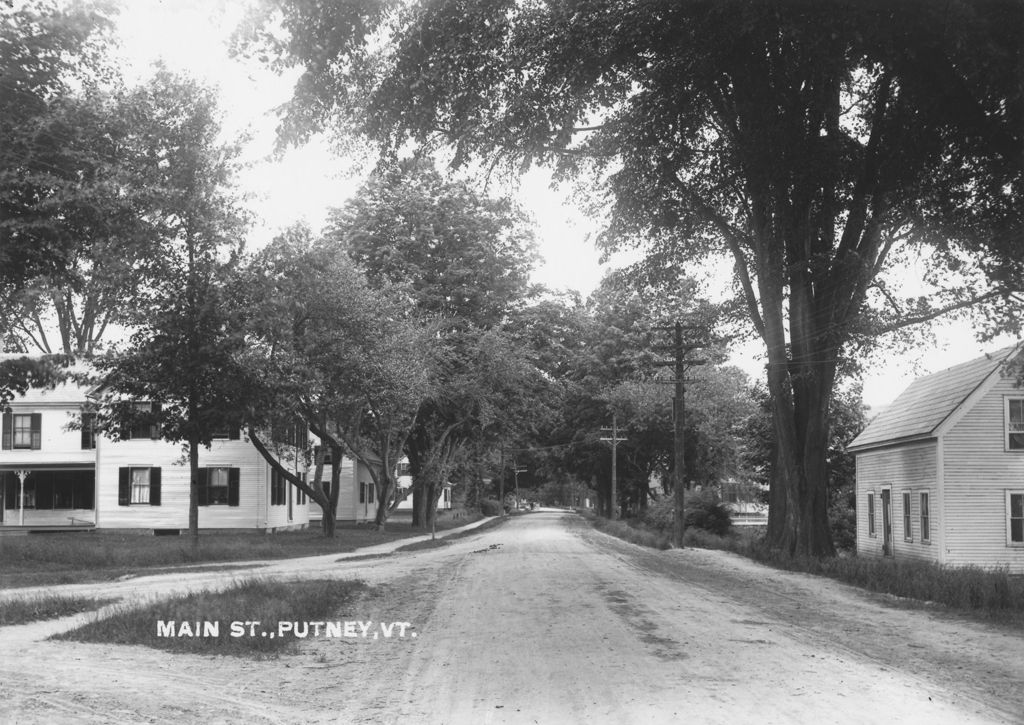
[(54, 474), (940, 472)]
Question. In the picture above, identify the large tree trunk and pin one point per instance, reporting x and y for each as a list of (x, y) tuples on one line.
[(798, 499)]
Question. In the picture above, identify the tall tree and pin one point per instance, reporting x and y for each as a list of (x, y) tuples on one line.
[(47, 51), (182, 350), (811, 143), (350, 363), (463, 258)]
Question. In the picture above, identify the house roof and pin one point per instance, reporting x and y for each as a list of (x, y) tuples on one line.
[(921, 408)]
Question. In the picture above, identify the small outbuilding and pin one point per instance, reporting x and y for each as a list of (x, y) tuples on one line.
[(940, 472)]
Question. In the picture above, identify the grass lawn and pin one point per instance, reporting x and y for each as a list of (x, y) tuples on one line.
[(251, 619), (990, 595), (40, 559), (36, 609)]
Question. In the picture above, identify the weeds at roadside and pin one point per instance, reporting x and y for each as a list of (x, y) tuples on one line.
[(992, 595), (632, 531), (209, 615), (46, 606), (42, 559)]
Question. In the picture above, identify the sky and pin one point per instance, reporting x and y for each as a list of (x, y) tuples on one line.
[(190, 36)]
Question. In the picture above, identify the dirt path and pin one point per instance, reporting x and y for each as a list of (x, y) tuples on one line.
[(544, 620)]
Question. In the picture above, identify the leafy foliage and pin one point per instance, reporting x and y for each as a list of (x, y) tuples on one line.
[(812, 144)]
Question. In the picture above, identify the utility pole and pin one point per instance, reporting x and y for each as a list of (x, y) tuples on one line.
[(516, 470), (680, 365), (501, 483), (615, 443)]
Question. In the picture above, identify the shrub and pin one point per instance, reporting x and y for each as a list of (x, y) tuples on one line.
[(490, 507), (701, 510), (842, 519), (660, 514), (705, 510)]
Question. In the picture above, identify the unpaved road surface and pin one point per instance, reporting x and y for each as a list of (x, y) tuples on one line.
[(543, 620)]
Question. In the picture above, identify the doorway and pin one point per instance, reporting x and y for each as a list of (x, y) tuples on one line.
[(887, 522)]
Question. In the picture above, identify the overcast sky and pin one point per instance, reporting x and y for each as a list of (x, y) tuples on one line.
[(190, 35)]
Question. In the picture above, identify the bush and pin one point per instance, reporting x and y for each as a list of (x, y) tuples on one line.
[(705, 510), (490, 507), (701, 510), (842, 519), (660, 514)]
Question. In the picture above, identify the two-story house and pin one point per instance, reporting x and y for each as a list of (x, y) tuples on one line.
[(54, 472), (940, 472)]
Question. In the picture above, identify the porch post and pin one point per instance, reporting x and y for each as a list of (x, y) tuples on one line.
[(21, 495)]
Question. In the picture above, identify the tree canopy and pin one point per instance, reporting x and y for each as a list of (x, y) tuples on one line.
[(811, 144)]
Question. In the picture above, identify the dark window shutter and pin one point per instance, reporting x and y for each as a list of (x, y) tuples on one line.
[(233, 486), (37, 431), (154, 429), (154, 486), (124, 486), (370, 491), (8, 432), (234, 433), (362, 493), (203, 488)]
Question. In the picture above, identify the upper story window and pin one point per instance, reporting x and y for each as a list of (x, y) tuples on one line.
[(232, 433), (141, 430), (88, 430), (22, 431), (1014, 433)]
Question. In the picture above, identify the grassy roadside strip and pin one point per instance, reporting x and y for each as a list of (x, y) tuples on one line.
[(628, 530), (265, 603), (989, 595), (42, 559), (48, 606), (437, 543)]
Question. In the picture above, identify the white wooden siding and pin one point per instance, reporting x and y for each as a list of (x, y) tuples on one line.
[(909, 468), (978, 470), (253, 510), (58, 445), (349, 508)]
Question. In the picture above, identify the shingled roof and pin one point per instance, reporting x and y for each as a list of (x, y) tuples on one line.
[(921, 408)]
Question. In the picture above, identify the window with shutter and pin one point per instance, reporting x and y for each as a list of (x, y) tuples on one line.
[(22, 431)]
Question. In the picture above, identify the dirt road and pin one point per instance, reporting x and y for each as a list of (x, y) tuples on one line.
[(544, 620)]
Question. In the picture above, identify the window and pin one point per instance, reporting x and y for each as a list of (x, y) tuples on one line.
[(1014, 415), (138, 486), (871, 514), (926, 522), (277, 490), (908, 532), (216, 486), (142, 430), (88, 431), (366, 492), (1015, 518), (230, 433), (22, 431)]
